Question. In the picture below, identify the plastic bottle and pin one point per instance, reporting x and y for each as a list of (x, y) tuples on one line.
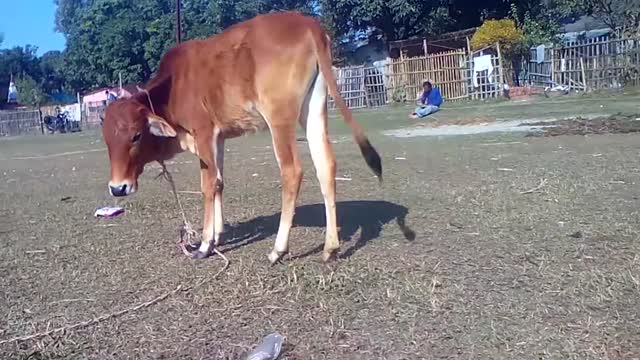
[(268, 349)]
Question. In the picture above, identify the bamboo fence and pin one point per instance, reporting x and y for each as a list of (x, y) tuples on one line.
[(20, 122), (446, 70), (592, 64), (400, 80)]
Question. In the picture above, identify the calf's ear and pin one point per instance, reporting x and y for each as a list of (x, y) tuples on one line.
[(159, 127)]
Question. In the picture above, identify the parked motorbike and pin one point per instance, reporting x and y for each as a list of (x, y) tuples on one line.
[(61, 123)]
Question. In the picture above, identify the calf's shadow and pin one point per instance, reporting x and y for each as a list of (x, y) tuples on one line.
[(368, 216)]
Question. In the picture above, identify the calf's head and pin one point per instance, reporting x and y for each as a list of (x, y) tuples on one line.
[(134, 136)]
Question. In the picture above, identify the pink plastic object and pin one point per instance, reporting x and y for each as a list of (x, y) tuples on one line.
[(109, 212)]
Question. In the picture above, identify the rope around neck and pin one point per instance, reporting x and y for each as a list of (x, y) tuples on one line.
[(148, 98), (186, 230)]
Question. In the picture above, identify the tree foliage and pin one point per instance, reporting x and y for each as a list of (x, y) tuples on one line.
[(44, 74), (106, 38), (394, 20), (29, 91), (624, 14), (503, 31), (51, 66)]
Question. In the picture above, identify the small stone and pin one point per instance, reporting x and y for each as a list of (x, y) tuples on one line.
[(576, 235)]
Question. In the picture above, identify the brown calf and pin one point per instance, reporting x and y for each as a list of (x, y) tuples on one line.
[(271, 71)]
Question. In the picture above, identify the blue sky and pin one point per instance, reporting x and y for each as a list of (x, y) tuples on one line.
[(30, 22)]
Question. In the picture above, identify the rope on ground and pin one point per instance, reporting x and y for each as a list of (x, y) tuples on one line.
[(105, 317), (185, 231)]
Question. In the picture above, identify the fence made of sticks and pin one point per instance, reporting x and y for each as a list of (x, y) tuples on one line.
[(586, 65), (400, 80), (20, 122)]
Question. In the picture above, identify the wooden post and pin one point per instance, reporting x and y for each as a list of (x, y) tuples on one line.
[(178, 23), (469, 72), (424, 46), (584, 76), (553, 65), (500, 68), (83, 119), (367, 102), (41, 120), (403, 72)]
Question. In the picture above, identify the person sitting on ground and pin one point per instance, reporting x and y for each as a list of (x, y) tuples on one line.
[(430, 101)]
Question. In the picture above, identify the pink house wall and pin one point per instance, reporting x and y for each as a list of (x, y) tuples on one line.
[(95, 97)]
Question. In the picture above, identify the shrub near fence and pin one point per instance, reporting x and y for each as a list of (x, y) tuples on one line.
[(21, 122)]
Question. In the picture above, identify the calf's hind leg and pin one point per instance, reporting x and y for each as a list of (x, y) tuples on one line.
[(284, 143), (324, 162)]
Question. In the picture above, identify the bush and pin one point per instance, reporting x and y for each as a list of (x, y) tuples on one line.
[(503, 31), (29, 92)]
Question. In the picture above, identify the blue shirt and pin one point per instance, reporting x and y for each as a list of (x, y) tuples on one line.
[(432, 98)]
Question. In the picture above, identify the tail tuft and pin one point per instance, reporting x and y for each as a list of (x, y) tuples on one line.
[(371, 157)]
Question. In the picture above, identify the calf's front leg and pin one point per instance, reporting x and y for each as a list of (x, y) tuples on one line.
[(218, 229), (210, 185), (207, 182)]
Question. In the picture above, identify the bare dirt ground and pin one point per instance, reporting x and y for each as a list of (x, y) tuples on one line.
[(614, 124), (518, 248)]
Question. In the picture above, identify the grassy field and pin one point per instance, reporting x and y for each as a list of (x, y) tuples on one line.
[(511, 247)]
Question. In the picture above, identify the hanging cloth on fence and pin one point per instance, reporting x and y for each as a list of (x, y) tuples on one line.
[(540, 54), (482, 63), (12, 97)]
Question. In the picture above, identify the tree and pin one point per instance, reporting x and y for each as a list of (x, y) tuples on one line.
[(503, 31), (624, 14), (108, 37), (29, 91), (16, 61), (51, 67), (68, 14), (115, 36), (394, 20)]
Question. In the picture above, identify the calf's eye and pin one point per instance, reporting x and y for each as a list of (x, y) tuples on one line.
[(136, 137)]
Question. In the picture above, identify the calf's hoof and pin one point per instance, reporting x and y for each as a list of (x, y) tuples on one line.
[(199, 255), (329, 255), (192, 251), (274, 256)]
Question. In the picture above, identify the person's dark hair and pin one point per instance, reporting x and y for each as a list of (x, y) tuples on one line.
[(427, 83)]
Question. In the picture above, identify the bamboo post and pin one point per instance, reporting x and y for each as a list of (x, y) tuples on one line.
[(553, 65), (500, 67), (424, 45), (584, 76), (41, 120), (367, 102), (469, 72)]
